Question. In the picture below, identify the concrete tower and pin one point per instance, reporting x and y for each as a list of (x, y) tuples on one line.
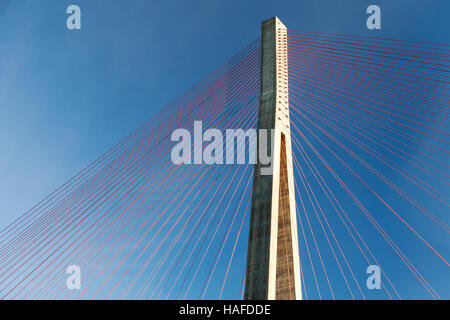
[(273, 264)]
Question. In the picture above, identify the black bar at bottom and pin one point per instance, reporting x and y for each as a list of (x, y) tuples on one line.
[(193, 309)]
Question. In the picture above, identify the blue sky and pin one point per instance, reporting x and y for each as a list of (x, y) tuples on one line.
[(68, 96)]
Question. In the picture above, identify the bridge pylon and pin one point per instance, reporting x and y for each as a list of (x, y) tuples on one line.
[(273, 263)]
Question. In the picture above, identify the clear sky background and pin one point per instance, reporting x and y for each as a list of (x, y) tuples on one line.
[(68, 96)]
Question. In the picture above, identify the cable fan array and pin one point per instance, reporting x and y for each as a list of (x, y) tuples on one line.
[(370, 134), (137, 225), (369, 125)]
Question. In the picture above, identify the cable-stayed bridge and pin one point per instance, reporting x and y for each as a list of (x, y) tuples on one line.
[(368, 122)]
